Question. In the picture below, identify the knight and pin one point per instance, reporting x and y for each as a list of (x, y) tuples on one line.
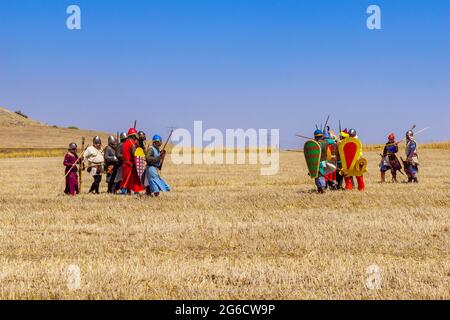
[(330, 177), (111, 163), (412, 159), (119, 154), (320, 181), (349, 179), (389, 160), (95, 158)]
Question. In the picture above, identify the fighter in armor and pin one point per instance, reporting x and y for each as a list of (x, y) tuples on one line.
[(131, 182), (111, 163), (349, 179), (339, 177), (71, 161), (412, 160), (389, 160), (96, 160), (330, 177), (320, 181), (142, 138), (119, 154), (154, 159)]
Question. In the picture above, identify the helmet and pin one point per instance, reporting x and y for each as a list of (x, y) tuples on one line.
[(157, 138), (112, 140), (97, 140), (141, 135), (123, 136), (352, 133), (344, 134), (391, 137), (409, 134), (72, 146), (132, 132), (318, 133), (326, 135)]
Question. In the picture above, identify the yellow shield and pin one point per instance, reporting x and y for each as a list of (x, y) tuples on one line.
[(350, 152)]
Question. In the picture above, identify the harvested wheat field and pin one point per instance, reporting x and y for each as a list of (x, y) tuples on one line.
[(225, 232)]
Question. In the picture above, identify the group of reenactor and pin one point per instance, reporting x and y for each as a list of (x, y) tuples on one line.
[(390, 161), (336, 159), (131, 166)]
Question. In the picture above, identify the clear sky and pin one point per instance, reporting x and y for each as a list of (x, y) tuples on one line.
[(283, 64)]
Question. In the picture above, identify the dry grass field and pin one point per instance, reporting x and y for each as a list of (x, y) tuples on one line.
[(225, 232)]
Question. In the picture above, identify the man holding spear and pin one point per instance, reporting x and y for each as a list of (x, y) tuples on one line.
[(71, 160), (155, 160), (411, 163)]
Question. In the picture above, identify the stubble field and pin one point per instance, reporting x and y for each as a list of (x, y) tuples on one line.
[(225, 232)]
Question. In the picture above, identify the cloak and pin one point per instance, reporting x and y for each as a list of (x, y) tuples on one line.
[(130, 177)]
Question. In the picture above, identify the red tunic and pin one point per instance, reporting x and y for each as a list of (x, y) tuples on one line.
[(130, 177)]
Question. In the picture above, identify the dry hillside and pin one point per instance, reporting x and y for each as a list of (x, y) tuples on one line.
[(19, 132)]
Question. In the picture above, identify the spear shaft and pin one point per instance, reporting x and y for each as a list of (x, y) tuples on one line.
[(304, 137), (80, 175), (164, 149), (76, 162), (418, 132)]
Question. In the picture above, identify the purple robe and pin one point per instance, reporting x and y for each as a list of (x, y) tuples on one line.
[(70, 160)]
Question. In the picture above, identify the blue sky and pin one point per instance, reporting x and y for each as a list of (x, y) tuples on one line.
[(283, 64)]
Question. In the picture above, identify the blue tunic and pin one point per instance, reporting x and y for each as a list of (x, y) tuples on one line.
[(155, 182)]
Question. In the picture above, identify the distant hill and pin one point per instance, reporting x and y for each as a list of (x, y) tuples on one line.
[(18, 131)]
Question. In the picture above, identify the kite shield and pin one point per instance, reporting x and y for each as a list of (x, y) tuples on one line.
[(313, 152), (139, 162), (350, 150)]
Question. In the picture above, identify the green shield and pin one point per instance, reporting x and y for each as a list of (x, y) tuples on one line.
[(312, 151)]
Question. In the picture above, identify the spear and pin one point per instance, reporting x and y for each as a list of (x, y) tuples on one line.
[(304, 137), (80, 181), (135, 124), (164, 148), (326, 122), (418, 132), (76, 162), (423, 130)]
